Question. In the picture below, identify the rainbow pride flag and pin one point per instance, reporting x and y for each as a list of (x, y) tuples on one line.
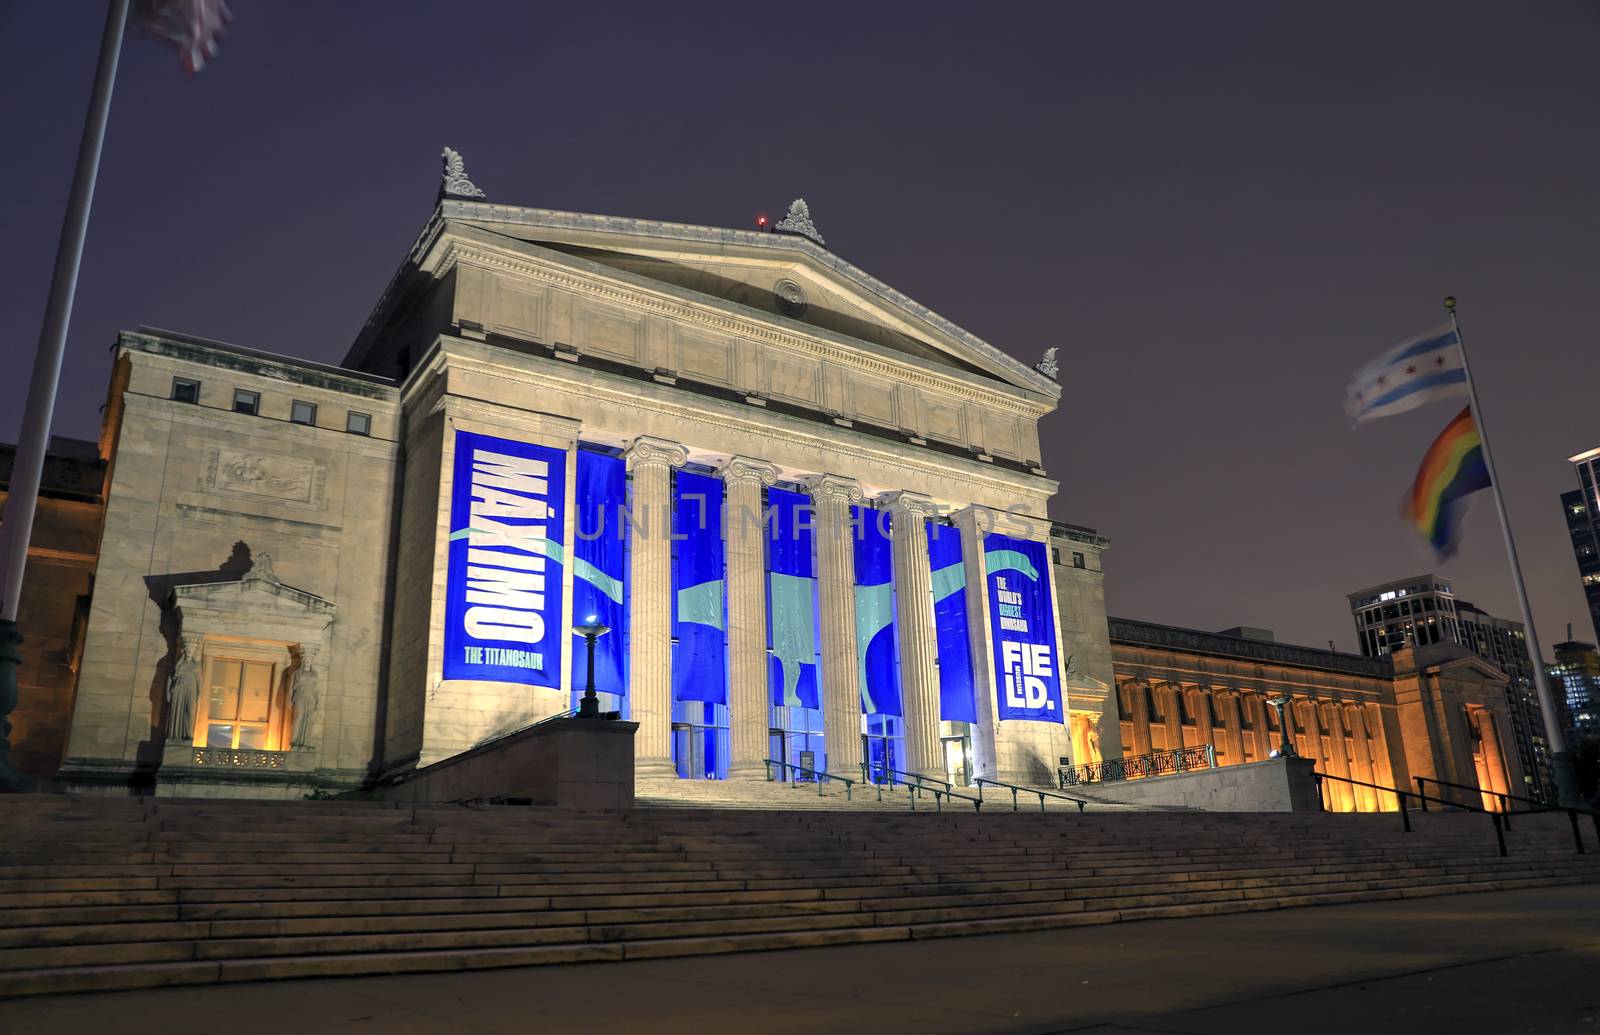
[(1452, 470)]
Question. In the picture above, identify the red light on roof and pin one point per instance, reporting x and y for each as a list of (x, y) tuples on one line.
[(761, 221)]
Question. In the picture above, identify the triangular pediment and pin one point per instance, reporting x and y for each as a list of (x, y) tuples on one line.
[(783, 277), (263, 595)]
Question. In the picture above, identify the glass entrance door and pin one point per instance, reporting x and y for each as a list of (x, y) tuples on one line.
[(795, 735), (958, 759), (883, 747), (700, 740)]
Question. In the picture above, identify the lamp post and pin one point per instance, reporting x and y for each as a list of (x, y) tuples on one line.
[(590, 630), (1285, 749)]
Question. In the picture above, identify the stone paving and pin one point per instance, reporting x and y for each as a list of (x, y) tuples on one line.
[(1518, 961)]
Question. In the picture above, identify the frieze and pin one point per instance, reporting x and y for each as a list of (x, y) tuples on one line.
[(235, 758), (282, 478)]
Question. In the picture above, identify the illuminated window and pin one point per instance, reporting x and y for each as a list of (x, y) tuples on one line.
[(239, 705)]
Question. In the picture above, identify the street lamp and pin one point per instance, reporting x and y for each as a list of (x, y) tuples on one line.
[(1285, 749), (590, 630)]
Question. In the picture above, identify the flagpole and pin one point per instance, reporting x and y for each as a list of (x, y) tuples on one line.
[(23, 495), (1561, 769)]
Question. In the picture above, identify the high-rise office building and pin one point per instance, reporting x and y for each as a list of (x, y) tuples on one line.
[(1577, 673), (1424, 609), (1582, 508)]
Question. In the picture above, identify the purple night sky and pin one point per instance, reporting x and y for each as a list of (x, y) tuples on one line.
[(1216, 211)]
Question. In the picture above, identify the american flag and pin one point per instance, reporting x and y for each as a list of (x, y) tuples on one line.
[(192, 26)]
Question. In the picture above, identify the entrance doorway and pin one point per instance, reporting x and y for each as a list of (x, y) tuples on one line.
[(795, 737), (883, 746), (700, 740), (958, 759)]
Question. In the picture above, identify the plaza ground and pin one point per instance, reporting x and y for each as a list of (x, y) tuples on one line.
[(1517, 961)]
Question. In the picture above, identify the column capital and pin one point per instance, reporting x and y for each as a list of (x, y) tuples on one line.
[(912, 504), (834, 488), (741, 469), (646, 451)]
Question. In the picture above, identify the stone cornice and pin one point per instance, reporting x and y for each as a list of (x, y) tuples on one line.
[(646, 451), (778, 244), (262, 364), (680, 305), (740, 469), (1147, 634)]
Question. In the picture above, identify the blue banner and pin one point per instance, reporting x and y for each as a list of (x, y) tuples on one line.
[(600, 571), (1022, 620), (700, 654), (503, 619), (791, 601), (878, 669), (957, 695)]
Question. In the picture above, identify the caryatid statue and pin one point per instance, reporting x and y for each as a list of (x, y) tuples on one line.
[(303, 700), (183, 691)]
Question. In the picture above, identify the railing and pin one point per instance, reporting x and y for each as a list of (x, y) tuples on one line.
[(817, 774), (1506, 812), (1403, 797), (1157, 763), (1014, 788), (916, 779)]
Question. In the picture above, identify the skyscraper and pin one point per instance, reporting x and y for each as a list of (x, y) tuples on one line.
[(1577, 672), (1424, 609), (1582, 508)]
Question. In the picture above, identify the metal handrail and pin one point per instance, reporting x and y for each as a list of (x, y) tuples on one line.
[(1506, 813), (821, 776), (1403, 797), (1031, 790), (940, 795), (1154, 763), (867, 768)]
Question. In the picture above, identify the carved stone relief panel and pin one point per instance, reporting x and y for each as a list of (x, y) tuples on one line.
[(796, 378), (872, 400), (702, 359), (609, 332), (520, 311), (942, 419), (285, 479)]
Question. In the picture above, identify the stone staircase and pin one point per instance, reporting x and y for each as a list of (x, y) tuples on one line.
[(109, 893), (669, 792)]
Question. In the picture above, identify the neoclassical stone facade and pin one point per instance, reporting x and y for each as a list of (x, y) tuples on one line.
[(309, 574), (1431, 712)]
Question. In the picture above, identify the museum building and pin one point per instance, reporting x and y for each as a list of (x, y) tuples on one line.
[(793, 514)]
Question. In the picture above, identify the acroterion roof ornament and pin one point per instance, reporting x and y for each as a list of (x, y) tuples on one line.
[(798, 221), (456, 184), (1048, 365)]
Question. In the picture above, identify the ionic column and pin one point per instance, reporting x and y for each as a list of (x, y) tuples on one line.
[(1360, 758), (832, 496), (1260, 728), (1139, 711), (650, 462), (914, 629), (749, 698), (1202, 716), (1493, 756), (1232, 725), (1382, 760), (1338, 759), (1173, 714)]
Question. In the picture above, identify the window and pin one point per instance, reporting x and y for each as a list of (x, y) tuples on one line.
[(239, 705), (185, 390), (303, 412), (246, 402), (358, 423), (1055, 556), (1078, 561)]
